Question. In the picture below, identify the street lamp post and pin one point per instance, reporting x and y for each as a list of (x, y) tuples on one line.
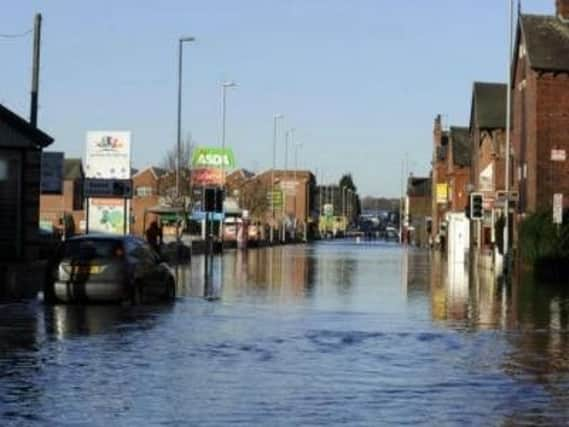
[(181, 42), (224, 87), (276, 118), (507, 224)]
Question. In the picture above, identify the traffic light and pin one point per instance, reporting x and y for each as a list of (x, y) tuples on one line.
[(476, 206), (213, 200)]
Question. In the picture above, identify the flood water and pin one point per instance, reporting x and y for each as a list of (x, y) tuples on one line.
[(325, 334)]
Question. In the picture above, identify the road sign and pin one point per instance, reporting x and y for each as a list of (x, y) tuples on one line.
[(558, 208), (108, 188)]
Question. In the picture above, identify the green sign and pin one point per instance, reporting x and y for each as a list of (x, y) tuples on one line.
[(275, 198), (213, 157)]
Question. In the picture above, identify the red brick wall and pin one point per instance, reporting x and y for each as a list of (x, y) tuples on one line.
[(552, 133), (524, 133), (145, 178), (52, 206), (460, 179)]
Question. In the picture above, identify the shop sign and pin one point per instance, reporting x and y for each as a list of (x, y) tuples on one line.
[(213, 157), (108, 155), (442, 193)]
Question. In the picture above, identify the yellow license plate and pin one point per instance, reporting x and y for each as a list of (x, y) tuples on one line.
[(88, 269)]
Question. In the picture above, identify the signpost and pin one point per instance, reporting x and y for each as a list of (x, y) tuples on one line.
[(107, 188), (107, 169)]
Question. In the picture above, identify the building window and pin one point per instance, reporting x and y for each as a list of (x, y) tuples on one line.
[(144, 191)]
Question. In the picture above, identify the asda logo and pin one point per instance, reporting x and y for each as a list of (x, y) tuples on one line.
[(213, 158)]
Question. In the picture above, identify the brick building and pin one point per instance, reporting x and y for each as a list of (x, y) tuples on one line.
[(540, 101), (53, 207), (439, 189), (298, 188), (458, 168), (418, 210), (487, 132), (146, 194)]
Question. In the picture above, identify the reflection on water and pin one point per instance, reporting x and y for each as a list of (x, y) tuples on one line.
[(329, 334), (532, 317)]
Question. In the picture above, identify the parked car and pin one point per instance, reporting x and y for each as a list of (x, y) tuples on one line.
[(104, 268)]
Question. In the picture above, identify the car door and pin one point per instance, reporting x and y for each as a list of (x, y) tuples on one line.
[(157, 283)]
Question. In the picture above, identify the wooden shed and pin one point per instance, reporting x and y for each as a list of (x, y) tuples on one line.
[(21, 145)]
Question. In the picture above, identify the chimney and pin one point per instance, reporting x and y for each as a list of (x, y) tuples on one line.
[(562, 9)]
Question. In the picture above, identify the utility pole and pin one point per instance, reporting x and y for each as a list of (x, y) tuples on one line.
[(35, 71), (508, 138)]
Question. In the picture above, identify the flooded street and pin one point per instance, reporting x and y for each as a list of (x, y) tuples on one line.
[(324, 334)]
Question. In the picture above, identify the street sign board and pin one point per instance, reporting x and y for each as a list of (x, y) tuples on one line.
[(51, 172), (275, 198), (558, 155), (108, 155), (109, 188), (108, 216), (558, 208)]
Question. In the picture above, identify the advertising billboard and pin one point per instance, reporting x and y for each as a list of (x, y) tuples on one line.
[(51, 172), (213, 157), (107, 155), (107, 216), (207, 177), (208, 165)]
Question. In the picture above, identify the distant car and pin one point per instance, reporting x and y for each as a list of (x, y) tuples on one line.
[(391, 234), (103, 268)]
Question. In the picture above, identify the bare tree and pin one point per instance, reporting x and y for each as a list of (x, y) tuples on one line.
[(254, 198), (186, 149)]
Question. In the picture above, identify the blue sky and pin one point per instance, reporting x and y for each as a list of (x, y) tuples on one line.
[(359, 80)]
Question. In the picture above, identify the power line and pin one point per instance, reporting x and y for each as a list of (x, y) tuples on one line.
[(15, 36)]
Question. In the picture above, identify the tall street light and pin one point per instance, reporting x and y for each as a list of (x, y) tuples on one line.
[(276, 118), (181, 42), (224, 87)]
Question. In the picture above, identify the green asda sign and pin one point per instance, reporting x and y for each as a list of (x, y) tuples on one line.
[(213, 157)]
